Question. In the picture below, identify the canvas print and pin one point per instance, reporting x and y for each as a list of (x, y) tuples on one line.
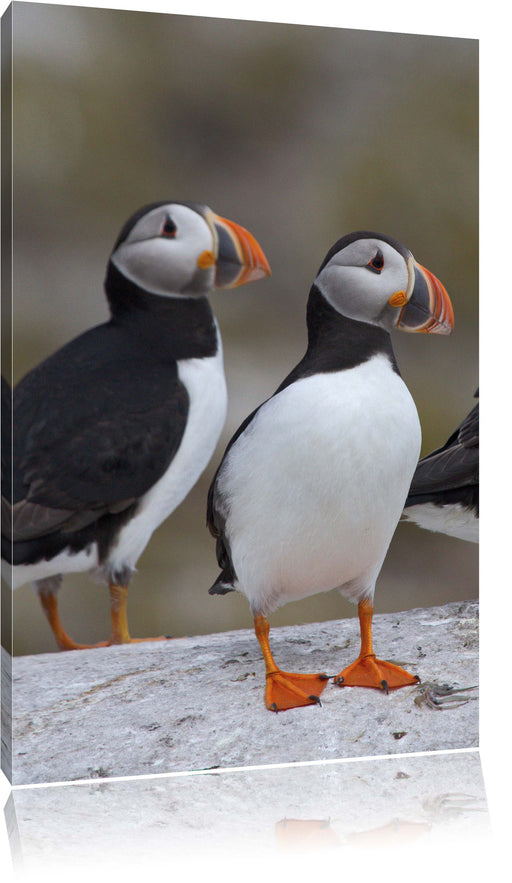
[(240, 428)]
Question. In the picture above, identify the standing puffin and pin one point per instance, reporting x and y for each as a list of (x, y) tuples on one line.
[(112, 431), (444, 493), (313, 483)]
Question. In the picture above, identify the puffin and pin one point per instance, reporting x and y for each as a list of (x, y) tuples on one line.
[(444, 493), (312, 485), (113, 430)]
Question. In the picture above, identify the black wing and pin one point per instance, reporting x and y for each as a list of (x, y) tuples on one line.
[(96, 425), (215, 520), (452, 467)]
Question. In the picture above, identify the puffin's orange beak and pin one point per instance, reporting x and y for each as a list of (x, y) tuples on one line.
[(428, 308), (240, 257)]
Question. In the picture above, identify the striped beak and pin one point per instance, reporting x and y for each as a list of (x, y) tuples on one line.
[(240, 258), (427, 308)]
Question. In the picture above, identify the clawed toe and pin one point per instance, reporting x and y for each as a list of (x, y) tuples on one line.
[(286, 690), (368, 671)]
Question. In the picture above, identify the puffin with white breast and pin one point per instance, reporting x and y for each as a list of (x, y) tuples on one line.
[(312, 485), (113, 430)]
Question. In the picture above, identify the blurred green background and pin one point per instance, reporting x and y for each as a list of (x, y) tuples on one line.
[(301, 134)]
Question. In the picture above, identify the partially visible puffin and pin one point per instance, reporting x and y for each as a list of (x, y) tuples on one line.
[(313, 483), (112, 431), (444, 493)]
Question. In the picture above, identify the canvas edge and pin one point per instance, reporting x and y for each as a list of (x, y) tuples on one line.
[(6, 352)]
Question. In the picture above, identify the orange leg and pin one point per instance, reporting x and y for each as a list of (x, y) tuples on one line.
[(64, 642), (118, 601), (119, 635), (284, 689), (120, 632), (367, 670)]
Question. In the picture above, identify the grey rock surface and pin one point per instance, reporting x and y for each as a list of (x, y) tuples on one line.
[(197, 703), (420, 801)]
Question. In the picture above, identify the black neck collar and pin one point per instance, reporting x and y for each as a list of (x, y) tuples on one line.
[(336, 343), (184, 325)]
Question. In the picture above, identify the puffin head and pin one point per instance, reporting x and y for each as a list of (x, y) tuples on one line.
[(182, 248), (374, 279)]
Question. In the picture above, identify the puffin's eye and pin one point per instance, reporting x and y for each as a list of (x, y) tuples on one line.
[(169, 229), (377, 262)]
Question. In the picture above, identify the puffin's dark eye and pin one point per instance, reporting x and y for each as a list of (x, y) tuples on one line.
[(377, 262), (169, 229)]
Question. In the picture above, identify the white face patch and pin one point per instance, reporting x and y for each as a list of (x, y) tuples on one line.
[(168, 264), (359, 291)]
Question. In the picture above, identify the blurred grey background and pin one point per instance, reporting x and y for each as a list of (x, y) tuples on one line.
[(301, 134)]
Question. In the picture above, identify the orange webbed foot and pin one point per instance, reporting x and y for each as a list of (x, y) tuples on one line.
[(116, 641), (67, 643), (368, 671), (286, 690)]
